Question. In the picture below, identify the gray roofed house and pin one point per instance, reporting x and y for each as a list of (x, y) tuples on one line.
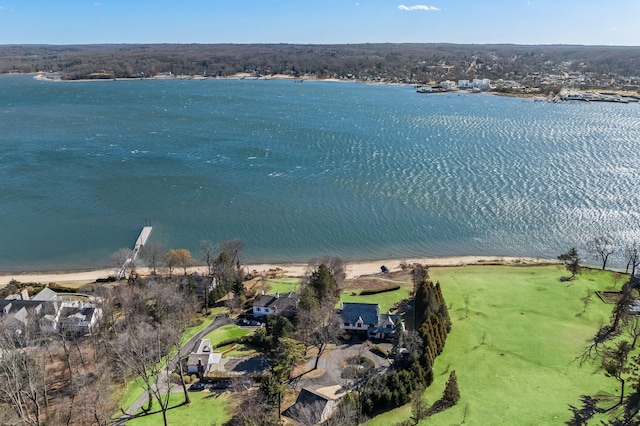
[(45, 295), (359, 316), (202, 358), (367, 317), (311, 408), (276, 304), (54, 313), (20, 309), (81, 320)]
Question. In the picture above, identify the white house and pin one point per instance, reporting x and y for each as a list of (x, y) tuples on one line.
[(482, 84), (54, 312), (202, 358), (275, 304), (464, 84), (447, 85)]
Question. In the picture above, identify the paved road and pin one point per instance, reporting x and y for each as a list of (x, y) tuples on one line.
[(217, 322)]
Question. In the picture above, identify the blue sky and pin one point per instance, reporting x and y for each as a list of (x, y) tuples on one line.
[(604, 22)]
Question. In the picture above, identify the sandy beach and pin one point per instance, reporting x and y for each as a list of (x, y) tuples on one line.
[(354, 269)]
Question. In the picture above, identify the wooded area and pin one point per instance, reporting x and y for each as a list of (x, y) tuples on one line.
[(389, 62)]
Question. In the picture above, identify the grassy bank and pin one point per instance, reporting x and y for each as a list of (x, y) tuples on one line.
[(516, 332), (206, 408)]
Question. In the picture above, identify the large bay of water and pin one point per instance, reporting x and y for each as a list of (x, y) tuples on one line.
[(303, 170)]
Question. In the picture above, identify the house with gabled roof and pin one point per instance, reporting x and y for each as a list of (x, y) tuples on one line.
[(311, 407), (54, 312), (367, 317), (202, 358), (276, 304)]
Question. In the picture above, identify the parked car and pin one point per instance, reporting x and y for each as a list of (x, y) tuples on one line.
[(222, 384), (243, 384), (196, 387)]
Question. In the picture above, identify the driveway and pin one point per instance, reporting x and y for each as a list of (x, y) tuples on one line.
[(163, 381), (331, 360)]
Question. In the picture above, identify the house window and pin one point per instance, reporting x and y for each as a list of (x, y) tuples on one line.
[(346, 324), (257, 309), (359, 325)]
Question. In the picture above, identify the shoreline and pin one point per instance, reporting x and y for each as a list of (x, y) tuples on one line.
[(55, 77), (353, 269)]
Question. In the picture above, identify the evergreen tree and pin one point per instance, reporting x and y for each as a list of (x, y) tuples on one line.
[(324, 284), (451, 394), (571, 260)]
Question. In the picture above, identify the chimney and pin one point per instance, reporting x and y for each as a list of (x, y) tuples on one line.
[(277, 295), (24, 294)]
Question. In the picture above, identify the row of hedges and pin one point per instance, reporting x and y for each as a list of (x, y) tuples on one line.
[(225, 342), (379, 290)]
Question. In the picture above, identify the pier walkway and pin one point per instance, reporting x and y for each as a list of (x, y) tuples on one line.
[(142, 239)]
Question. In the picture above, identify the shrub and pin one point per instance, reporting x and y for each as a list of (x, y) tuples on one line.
[(379, 290), (225, 342), (380, 351), (187, 379)]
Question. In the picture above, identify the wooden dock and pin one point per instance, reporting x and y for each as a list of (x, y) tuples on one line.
[(142, 239)]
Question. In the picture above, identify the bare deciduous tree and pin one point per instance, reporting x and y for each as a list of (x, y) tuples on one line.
[(208, 250), (601, 247), (182, 258), (170, 261), (22, 370), (122, 262), (152, 254), (148, 337), (632, 256), (232, 248)]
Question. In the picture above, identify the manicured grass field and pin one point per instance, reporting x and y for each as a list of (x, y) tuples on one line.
[(205, 321), (386, 300), (226, 332), (284, 285), (206, 408), (516, 332)]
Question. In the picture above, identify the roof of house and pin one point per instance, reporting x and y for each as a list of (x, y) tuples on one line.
[(13, 306), (45, 295), (202, 346), (351, 312), (309, 407), (203, 352), (72, 315), (277, 302)]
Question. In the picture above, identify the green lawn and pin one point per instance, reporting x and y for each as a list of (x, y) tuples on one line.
[(516, 332), (192, 331), (130, 394), (284, 285), (132, 391), (226, 332), (206, 408), (386, 300)]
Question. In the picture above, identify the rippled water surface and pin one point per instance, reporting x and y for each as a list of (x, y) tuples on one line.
[(302, 170)]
